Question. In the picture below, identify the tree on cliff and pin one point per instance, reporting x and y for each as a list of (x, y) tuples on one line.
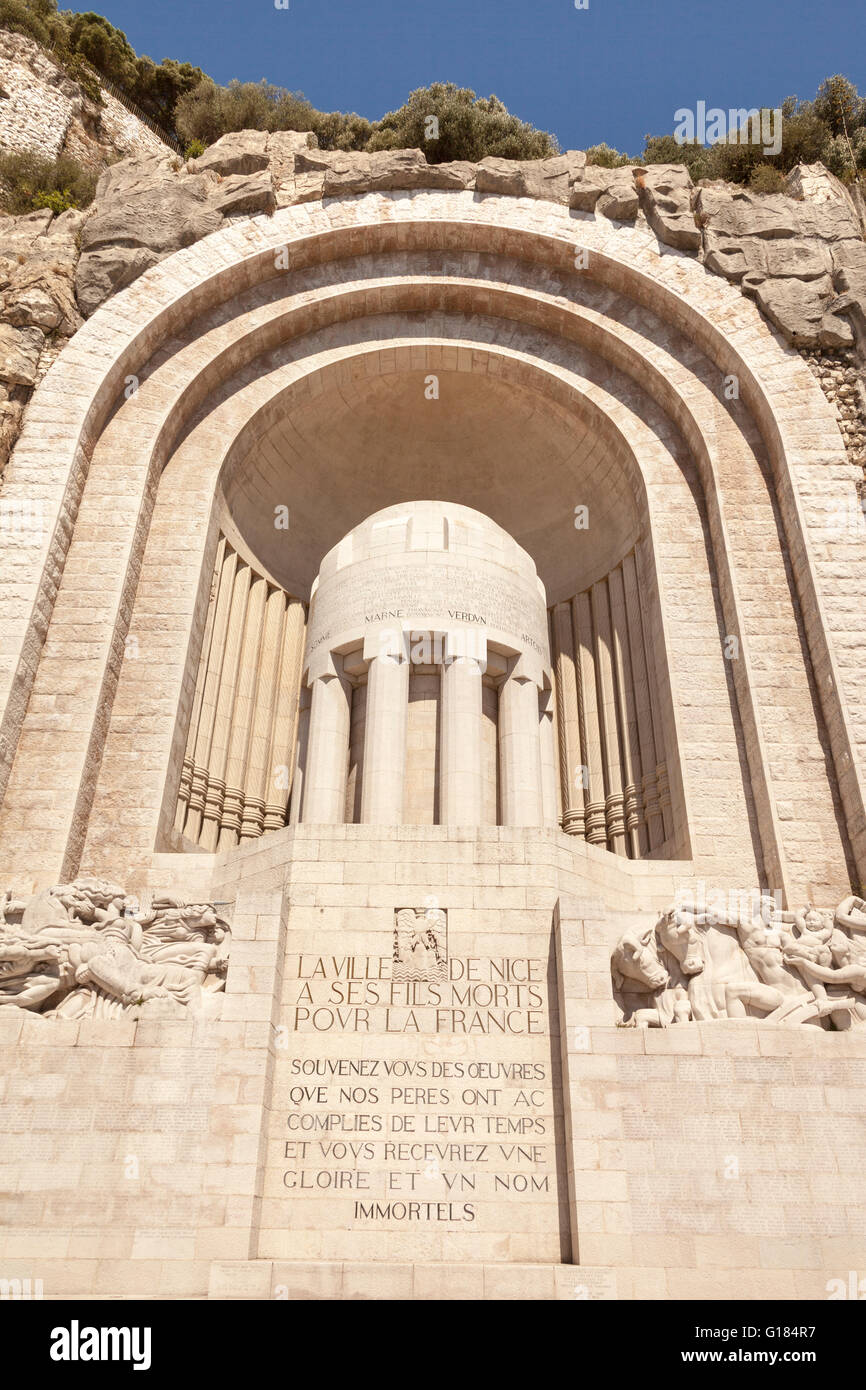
[(450, 122)]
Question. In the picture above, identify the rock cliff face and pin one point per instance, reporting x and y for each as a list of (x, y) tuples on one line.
[(800, 255), (43, 109)]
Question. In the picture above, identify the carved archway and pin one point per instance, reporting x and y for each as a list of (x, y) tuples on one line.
[(171, 381)]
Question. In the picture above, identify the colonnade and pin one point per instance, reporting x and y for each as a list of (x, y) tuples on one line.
[(614, 788), (234, 782), (587, 752), (525, 740)]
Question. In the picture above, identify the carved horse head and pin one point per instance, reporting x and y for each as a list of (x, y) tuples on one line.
[(635, 963), (678, 933)]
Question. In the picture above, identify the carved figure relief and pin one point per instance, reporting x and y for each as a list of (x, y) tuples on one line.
[(81, 950), (805, 966), (420, 944)]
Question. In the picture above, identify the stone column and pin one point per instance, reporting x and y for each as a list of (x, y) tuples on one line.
[(301, 750), (570, 759), (549, 804), (646, 735), (258, 769), (519, 751), (216, 786), (207, 714), (614, 803), (188, 767), (291, 698), (590, 732), (328, 750), (634, 818), (384, 770), (460, 776), (231, 818)]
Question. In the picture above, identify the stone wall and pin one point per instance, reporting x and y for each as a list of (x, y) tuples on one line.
[(706, 1160), (44, 110), (148, 1157), (132, 1148)]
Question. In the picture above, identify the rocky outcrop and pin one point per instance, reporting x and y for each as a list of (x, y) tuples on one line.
[(241, 152), (843, 386), (43, 109), (530, 178), (800, 255), (38, 312), (344, 173), (140, 216), (666, 193), (783, 253), (607, 192)]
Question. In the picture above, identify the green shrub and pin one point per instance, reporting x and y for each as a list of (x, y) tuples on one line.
[(839, 106), (606, 157), (81, 72), (467, 127), (194, 149), (28, 17), (764, 178), (464, 126), (28, 181), (58, 200)]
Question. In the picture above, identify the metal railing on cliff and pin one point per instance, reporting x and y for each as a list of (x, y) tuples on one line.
[(119, 95), (131, 106)]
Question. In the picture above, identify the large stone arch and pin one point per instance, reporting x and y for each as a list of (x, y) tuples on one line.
[(196, 336)]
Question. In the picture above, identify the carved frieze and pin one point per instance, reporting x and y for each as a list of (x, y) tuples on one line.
[(82, 950), (803, 966)]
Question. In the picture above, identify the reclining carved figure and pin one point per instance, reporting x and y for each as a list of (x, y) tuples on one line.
[(79, 951)]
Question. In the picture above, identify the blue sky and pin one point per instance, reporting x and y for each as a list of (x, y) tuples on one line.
[(613, 72)]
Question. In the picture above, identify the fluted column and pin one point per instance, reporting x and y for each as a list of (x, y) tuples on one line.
[(256, 776), (460, 762), (188, 767), (242, 714), (590, 730), (282, 750), (519, 751), (655, 713), (646, 737), (568, 721), (384, 770), (613, 802), (207, 714), (328, 750), (635, 823), (224, 707)]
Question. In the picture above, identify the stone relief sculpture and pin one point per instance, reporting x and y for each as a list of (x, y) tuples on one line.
[(80, 950), (758, 961), (420, 944)]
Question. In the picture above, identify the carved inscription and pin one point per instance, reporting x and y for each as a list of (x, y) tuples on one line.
[(452, 593), (436, 1106)]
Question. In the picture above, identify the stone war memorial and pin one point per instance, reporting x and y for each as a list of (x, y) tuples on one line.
[(433, 744)]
